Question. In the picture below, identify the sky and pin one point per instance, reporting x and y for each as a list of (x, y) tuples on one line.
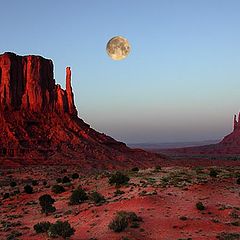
[(180, 82)]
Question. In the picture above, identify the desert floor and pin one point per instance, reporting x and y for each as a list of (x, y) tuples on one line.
[(165, 198)]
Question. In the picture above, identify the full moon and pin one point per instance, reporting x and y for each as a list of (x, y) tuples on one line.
[(118, 48)]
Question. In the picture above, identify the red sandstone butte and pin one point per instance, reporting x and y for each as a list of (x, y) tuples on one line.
[(40, 124), (228, 146)]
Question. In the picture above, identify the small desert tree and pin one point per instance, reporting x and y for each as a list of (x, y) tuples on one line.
[(46, 202)]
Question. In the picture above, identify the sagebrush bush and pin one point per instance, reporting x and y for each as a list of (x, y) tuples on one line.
[(118, 179), (135, 169), (118, 192), (123, 219), (46, 202), (17, 191), (200, 206), (61, 229), (13, 184), (238, 181), (41, 227), (119, 223), (158, 168), (6, 195), (75, 176), (213, 173), (58, 189), (14, 235), (66, 179), (34, 182), (97, 197), (28, 189), (228, 236), (59, 180), (78, 196)]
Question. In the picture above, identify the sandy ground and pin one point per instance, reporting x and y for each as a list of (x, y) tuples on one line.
[(165, 199)]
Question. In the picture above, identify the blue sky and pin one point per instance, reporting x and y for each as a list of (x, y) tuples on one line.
[(181, 81)]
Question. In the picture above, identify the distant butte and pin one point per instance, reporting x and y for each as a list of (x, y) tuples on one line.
[(40, 123), (229, 145)]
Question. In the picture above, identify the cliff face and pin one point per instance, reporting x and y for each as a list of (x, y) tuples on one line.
[(39, 121), (27, 83)]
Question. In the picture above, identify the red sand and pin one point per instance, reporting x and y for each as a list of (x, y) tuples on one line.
[(161, 213)]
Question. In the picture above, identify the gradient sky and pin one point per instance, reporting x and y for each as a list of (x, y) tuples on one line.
[(181, 81)]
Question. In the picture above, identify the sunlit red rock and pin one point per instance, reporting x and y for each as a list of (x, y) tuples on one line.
[(39, 122)]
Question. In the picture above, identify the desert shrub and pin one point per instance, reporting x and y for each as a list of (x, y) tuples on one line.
[(78, 196), (6, 195), (118, 192), (46, 202), (13, 184), (66, 179), (236, 223), (61, 229), (122, 219), (238, 181), (198, 169), (200, 206), (228, 236), (17, 191), (119, 223), (28, 189), (97, 197), (34, 182), (135, 169), (41, 227), (132, 216), (158, 168), (59, 180), (64, 170), (58, 189), (135, 225), (183, 218), (213, 173), (75, 176), (13, 235), (118, 179)]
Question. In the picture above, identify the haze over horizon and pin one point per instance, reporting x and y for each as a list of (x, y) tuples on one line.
[(179, 83)]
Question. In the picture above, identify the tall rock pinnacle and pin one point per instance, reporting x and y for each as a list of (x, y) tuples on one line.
[(235, 122), (70, 100)]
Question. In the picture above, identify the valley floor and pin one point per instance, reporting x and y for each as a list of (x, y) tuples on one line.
[(165, 198)]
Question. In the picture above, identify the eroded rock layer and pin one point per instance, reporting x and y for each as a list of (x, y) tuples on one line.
[(40, 125)]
